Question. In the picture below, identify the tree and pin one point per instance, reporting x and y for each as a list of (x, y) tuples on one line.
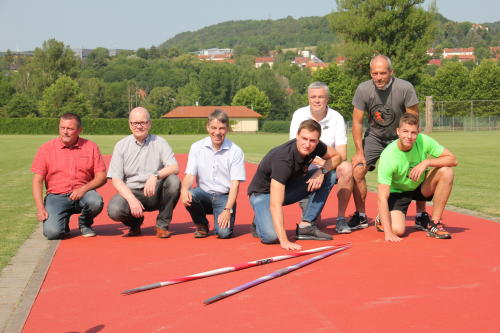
[(94, 91), (253, 98), (63, 96), (400, 29), (189, 94), (341, 88), (6, 90), (485, 85), (21, 105), (51, 62), (160, 101), (97, 58), (452, 84)]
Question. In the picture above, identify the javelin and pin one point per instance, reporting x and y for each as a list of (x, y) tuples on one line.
[(275, 274), (227, 269)]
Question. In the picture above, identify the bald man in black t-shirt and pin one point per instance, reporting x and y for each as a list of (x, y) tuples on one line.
[(283, 178)]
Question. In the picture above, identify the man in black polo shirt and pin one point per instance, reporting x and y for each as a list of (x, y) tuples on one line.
[(282, 178)]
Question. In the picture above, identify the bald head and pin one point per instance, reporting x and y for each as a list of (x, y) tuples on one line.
[(139, 123), (140, 111), (381, 71), (381, 60)]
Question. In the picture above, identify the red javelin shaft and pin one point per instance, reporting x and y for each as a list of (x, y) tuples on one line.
[(275, 274), (228, 269)]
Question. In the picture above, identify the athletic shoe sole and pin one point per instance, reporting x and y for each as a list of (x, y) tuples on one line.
[(343, 231), (431, 234), (304, 237), (359, 226)]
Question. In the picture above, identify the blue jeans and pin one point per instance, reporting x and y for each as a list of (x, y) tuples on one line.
[(204, 203), (60, 208), (294, 192)]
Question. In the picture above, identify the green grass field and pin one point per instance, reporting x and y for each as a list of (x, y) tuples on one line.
[(477, 181)]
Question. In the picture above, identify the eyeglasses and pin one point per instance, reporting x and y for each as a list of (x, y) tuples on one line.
[(138, 123)]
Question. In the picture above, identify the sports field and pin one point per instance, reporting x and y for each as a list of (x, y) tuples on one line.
[(476, 184)]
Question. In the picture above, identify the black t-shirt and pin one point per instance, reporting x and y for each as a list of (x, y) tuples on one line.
[(283, 164)]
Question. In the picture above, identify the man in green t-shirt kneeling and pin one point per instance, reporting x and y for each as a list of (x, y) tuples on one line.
[(404, 175)]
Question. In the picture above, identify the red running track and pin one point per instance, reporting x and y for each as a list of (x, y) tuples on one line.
[(418, 285)]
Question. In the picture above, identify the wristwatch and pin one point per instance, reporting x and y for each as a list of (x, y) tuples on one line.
[(324, 171), (230, 210), (156, 174)]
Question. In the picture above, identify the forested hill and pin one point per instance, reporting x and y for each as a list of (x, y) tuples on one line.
[(264, 35), (259, 34)]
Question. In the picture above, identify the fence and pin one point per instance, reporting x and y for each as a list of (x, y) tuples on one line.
[(471, 115)]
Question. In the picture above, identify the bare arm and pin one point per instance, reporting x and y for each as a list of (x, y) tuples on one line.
[(413, 110), (225, 218), (446, 159), (186, 196), (98, 181), (276, 208), (37, 190), (384, 214), (357, 136)]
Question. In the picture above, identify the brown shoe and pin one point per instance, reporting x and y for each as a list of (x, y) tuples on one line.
[(201, 231), (162, 233), (134, 232)]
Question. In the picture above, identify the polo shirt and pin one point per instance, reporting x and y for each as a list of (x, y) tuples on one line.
[(214, 170), (134, 162), (67, 168), (283, 164), (333, 131)]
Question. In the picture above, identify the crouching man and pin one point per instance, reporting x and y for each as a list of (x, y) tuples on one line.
[(404, 175)]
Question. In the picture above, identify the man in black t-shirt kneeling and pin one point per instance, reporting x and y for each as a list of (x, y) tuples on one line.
[(282, 178)]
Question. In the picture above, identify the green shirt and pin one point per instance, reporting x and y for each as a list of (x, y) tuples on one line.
[(395, 165)]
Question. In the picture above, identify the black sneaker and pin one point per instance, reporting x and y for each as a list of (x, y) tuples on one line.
[(358, 222), (254, 230), (87, 231), (421, 222), (311, 232), (437, 230)]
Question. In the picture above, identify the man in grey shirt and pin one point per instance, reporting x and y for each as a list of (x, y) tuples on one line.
[(144, 171), (384, 99)]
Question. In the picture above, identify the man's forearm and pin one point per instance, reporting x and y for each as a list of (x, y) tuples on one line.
[(233, 194)]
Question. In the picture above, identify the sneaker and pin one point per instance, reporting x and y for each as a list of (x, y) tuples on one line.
[(421, 222), (358, 222), (342, 227), (378, 224), (437, 230), (87, 231), (254, 230), (312, 232)]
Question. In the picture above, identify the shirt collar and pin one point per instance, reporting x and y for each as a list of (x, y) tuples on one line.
[(77, 145), (325, 119), (298, 158), (207, 142), (146, 141)]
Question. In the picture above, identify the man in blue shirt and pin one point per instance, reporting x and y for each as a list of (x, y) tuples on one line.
[(218, 165)]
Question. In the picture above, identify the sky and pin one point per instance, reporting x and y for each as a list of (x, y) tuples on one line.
[(127, 24)]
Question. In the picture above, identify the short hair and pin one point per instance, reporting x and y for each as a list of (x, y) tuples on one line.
[(386, 58), (311, 125), (220, 116), (317, 85), (409, 119), (72, 116)]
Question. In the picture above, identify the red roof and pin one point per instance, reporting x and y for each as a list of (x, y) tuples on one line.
[(436, 62), (264, 59), (204, 111), (462, 50)]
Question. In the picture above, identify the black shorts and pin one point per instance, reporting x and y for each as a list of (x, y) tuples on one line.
[(401, 201), (373, 147)]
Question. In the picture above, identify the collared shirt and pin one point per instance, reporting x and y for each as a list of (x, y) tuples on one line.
[(214, 170), (333, 132), (283, 164), (134, 162), (67, 168)]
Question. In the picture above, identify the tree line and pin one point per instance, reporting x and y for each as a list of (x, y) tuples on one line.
[(54, 81)]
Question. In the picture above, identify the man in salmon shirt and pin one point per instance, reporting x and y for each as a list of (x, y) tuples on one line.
[(71, 168)]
